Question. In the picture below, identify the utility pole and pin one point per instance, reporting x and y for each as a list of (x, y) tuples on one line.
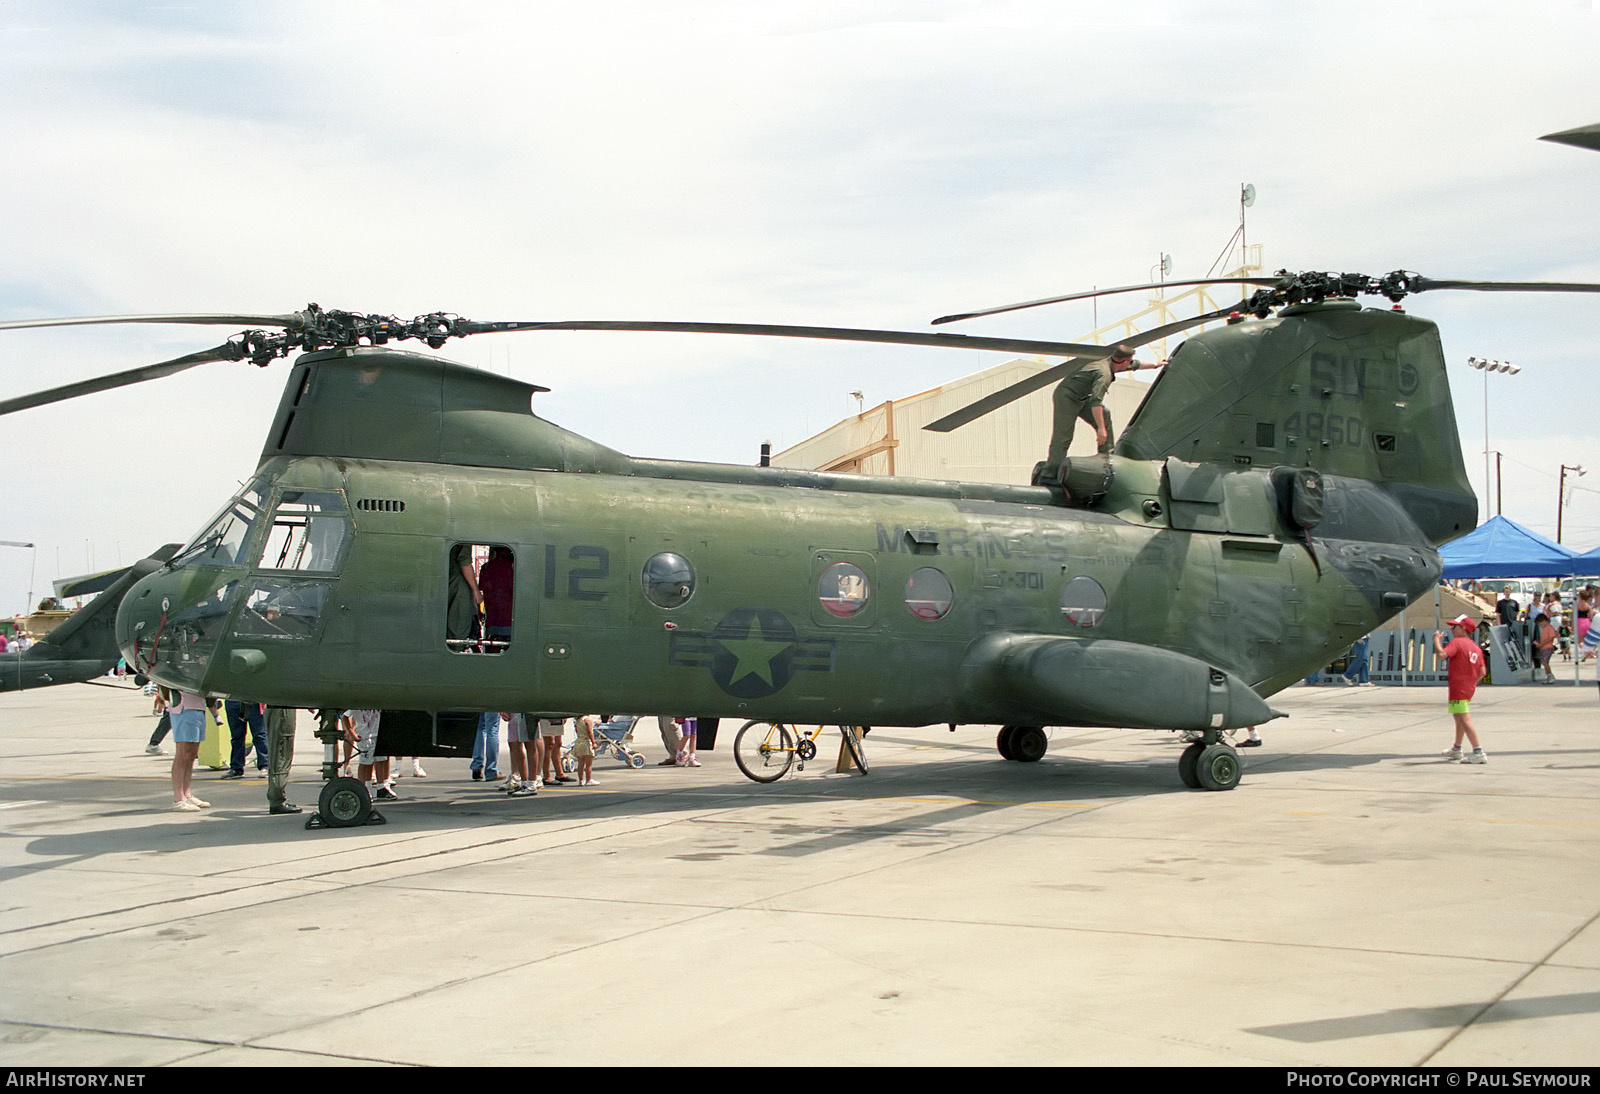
[(1561, 496)]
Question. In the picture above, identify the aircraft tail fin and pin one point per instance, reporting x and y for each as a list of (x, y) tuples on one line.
[(1334, 387)]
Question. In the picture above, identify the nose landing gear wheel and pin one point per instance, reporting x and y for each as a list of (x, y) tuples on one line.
[(344, 803), (1003, 742)]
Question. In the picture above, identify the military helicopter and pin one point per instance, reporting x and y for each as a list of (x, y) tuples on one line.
[(1282, 490), (83, 645)]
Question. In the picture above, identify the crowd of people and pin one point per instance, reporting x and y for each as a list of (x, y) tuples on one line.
[(537, 746), (1548, 627)]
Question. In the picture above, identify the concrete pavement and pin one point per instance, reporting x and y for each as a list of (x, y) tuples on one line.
[(1356, 901)]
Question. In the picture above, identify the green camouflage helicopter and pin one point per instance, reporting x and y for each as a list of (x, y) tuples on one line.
[(1282, 490)]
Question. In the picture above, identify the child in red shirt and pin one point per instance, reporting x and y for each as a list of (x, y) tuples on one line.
[(1466, 669)]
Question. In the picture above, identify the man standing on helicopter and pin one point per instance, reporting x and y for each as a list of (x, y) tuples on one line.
[(1080, 395)]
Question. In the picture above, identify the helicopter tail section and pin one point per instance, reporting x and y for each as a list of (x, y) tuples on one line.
[(89, 634), (1331, 387)]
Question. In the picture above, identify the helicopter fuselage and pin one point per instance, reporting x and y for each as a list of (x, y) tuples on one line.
[(645, 586)]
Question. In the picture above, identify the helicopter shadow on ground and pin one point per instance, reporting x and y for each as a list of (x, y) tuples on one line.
[(426, 811), (1159, 771), (960, 788), (1387, 1023)]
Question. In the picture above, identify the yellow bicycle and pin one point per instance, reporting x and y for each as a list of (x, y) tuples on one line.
[(765, 751)]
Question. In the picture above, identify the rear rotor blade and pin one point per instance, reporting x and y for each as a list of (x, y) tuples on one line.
[(1273, 280), (843, 334), (1006, 395), (228, 351)]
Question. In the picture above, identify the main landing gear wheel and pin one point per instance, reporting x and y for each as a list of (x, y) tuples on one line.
[(1219, 767), (1003, 742), (1189, 765), (1028, 743), (763, 751), (344, 803)]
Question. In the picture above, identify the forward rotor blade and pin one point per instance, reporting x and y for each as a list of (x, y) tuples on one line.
[(1108, 292), (291, 322), (225, 352), (1423, 284), (842, 334), (994, 401)]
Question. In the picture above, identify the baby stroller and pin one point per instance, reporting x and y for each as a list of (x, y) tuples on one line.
[(612, 737)]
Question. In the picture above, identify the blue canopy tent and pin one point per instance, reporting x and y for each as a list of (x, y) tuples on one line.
[(1503, 548)]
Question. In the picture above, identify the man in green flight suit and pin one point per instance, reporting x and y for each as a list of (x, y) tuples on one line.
[(281, 722), (1079, 396)]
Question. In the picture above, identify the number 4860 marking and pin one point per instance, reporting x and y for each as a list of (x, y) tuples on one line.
[(1334, 429)]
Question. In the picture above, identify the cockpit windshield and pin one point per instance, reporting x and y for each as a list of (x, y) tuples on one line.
[(223, 541)]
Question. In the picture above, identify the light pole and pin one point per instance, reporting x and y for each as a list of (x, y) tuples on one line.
[(1561, 495), (1486, 366)]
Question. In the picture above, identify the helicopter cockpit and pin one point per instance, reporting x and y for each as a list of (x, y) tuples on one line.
[(257, 571)]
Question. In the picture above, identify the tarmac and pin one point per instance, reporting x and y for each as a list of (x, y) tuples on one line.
[(1357, 901)]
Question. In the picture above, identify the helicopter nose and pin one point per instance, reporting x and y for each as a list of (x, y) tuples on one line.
[(140, 617)]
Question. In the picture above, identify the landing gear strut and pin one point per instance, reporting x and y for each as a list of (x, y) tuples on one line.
[(344, 802)]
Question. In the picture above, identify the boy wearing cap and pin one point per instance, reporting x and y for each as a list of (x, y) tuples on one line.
[(1466, 669)]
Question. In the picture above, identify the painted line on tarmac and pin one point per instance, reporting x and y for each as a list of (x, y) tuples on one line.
[(1561, 823)]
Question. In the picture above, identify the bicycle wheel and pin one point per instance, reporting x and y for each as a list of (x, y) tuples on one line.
[(764, 751), (856, 745)]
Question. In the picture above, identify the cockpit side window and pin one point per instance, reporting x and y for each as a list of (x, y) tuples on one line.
[(307, 534)]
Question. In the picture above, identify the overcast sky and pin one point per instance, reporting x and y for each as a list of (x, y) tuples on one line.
[(851, 163)]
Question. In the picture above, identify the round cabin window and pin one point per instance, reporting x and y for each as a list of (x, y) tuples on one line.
[(842, 589), (667, 580), (929, 594), (1083, 603)]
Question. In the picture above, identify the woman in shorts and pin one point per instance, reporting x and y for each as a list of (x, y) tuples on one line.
[(188, 730)]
